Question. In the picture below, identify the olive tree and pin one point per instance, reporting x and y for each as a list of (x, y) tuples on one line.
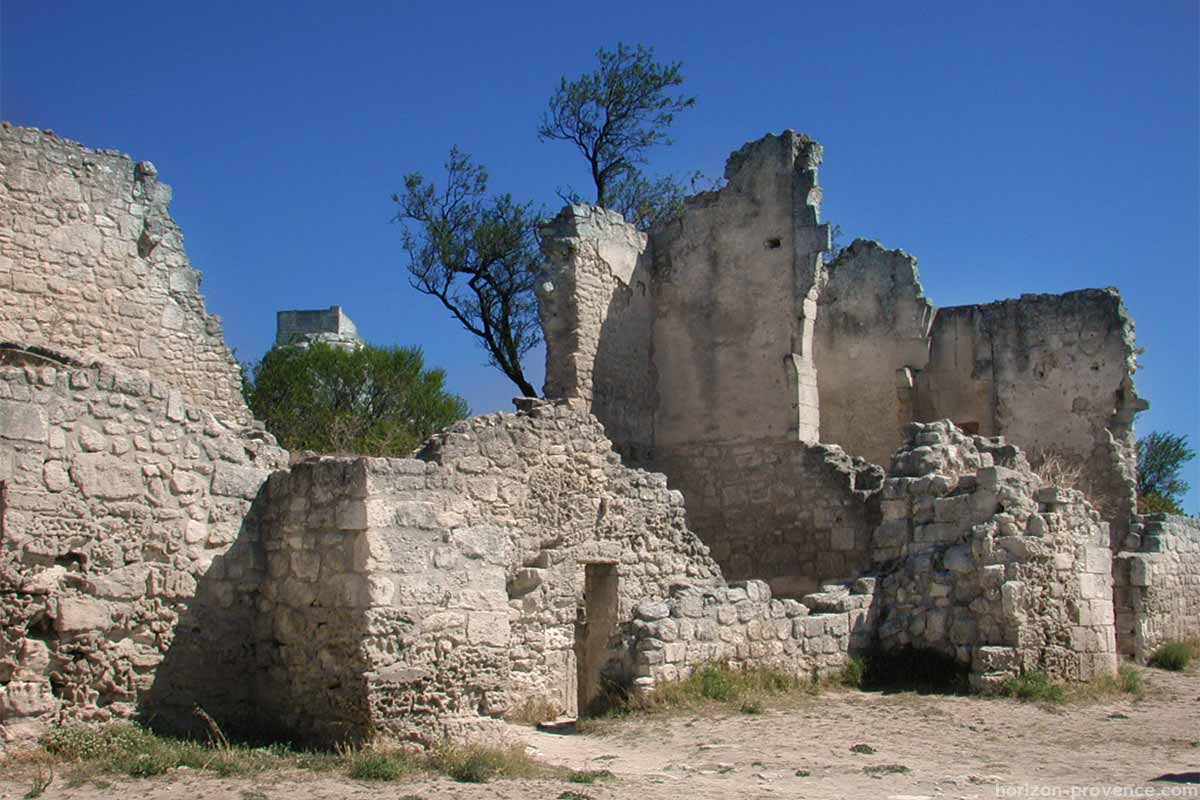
[(614, 116)]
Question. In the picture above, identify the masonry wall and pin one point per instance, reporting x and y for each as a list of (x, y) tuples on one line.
[(91, 261), (742, 626), (1157, 584), (128, 553), (978, 561), (735, 302), (790, 514), (432, 597), (596, 301), (1051, 373), (872, 337)]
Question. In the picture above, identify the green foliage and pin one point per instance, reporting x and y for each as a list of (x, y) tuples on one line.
[(377, 401), (716, 684), (1033, 686), (1173, 656), (478, 256), (614, 116), (1160, 459), (854, 672)]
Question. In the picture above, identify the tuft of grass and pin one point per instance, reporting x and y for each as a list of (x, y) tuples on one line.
[(480, 764), (534, 711), (1127, 681), (380, 765), (589, 776), (879, 770), (854, 673), (1035, 687), (41, 781), (1173, 656)]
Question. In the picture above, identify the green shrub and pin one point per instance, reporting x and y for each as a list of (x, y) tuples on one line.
[(587, 776), (1034, 686), (1173, 656), (716, 684), (853, 673)]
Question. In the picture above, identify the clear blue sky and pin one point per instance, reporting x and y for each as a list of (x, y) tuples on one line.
[(1012, 147)]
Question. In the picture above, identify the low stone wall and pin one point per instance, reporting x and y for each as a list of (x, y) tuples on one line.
[(1157, 584), (977, 562), (742, 626), (791, 514), (128, 556)]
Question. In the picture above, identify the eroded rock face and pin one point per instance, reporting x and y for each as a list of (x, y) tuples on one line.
[(91, 262), (977, 560)]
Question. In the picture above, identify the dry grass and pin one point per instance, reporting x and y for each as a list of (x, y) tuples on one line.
[(87, 754)]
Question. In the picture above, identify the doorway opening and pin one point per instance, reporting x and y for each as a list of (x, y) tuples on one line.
[(597, 625)]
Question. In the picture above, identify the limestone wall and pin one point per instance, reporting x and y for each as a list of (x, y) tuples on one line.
[(596, 305), (872, 336), (128, 549), (790, 514), (740, 625), (977, 561), (430, 596), (736, 281), (1157, 584), (1051, 373), (91, 261)]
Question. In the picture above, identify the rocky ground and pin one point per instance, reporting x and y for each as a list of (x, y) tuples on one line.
[(840, 744)]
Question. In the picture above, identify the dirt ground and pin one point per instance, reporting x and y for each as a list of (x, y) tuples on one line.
[(915, 747)]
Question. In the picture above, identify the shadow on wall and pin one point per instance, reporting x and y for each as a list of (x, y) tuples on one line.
[(213, 661)]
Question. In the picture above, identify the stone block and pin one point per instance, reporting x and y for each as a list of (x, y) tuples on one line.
[(990, 658), (23, 421), (81, 614), (232, 480)]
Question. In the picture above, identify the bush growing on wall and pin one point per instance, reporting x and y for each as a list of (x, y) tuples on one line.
[(377, 401)]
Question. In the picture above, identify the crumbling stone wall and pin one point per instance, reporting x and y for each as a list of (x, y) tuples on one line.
[(1157, 584), (1051, 373), (790, 514), (426, 596), (596, 306), (872, 337), (91, 262), (741, 626), (120, 580), (980, 563)]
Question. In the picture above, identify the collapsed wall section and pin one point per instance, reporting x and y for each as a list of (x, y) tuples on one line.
[(128, 548), (430, 597), (1051, 373), (872, 338), (790, 514), (91, 261), (596, 302), (1157, 584), (980, 562)]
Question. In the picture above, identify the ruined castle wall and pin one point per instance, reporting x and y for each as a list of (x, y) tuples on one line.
[(791, 514), (872, 335), (128, 552), (1051, 373), (735, 280), (742, 626), (596, 305), (1157, 584), (442, 593), (91, 261), (980, 563)]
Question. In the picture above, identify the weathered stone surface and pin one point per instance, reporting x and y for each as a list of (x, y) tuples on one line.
[(95, 288), (23, 421)]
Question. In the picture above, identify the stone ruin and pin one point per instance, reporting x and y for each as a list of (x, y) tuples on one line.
[(301, 328), (703, 483)]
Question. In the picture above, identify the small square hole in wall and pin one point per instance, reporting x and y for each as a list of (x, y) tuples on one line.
[(969, 428), (773, 243)]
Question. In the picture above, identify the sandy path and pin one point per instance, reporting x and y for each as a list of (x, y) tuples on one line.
[(949, 747)]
